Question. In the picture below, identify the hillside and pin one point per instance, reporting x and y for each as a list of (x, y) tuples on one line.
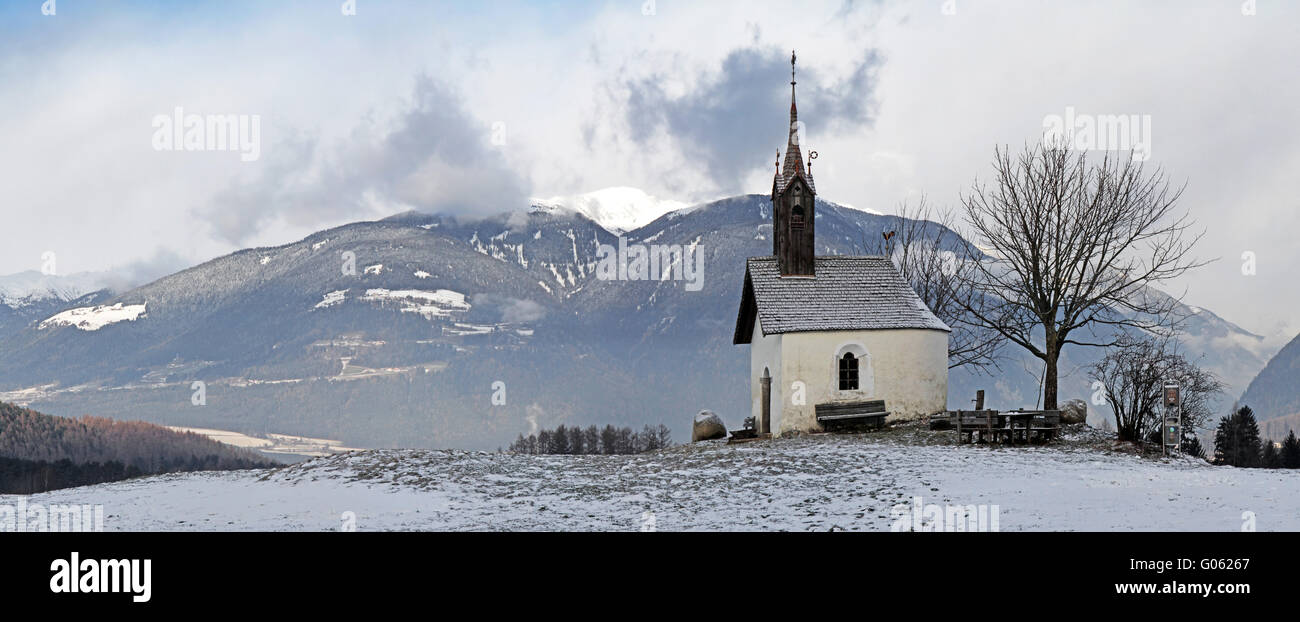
[(816, 483), (405, 349), (41, 452), (1275, 393)]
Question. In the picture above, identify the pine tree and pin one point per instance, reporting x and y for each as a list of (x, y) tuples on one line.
[(665, 436), (591, 440), (626, 441), (544, 442), (649, 440), (1236, 442), (576, 441), (1192, 446), (1270, 458), (560, 440), (609, 440), (1291, 452)]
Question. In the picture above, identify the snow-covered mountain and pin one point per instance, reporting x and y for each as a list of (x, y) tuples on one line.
[(28, 297), (1274, 394), (426, 331), (31, 287), (619, 209)]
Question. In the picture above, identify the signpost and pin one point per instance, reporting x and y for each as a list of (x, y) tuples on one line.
[(1172, 429)]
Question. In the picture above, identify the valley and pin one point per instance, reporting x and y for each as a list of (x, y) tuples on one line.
[(392, 333)]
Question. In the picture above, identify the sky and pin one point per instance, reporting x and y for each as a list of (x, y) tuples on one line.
[(473, 108)]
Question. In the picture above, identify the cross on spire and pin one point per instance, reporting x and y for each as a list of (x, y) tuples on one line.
[(792, 81)]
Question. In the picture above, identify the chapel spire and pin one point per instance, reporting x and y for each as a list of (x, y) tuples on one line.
[(793, 152), (794, 202)]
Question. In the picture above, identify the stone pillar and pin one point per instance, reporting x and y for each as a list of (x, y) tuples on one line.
[(765, 422)]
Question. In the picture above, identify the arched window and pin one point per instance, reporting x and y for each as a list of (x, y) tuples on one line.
[(796, 216), (848, 372), (851, 371)]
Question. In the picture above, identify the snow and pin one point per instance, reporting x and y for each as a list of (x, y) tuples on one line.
[(331, 299), (815, 483), (375, 269), (440, 303), (23, 288), (618, 209), (860, 209), (95, 318), (421, 274), (469, 329), (227, 437), (705, 416), (430, 304)]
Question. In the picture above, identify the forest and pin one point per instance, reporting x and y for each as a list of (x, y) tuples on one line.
[(40, 452), (593, 440)]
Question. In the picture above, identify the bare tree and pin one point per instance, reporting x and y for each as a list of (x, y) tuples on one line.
[(1134, 374), (938, 264), (1074, 247)]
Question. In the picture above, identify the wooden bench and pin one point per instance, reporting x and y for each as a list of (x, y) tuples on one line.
[(869, 413)]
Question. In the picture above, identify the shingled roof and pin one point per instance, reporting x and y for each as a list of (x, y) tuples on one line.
[(848, 293)]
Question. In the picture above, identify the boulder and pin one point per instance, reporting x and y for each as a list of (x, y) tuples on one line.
[(1074, 411), (707, 426)]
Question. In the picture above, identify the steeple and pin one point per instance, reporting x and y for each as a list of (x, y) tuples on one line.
[(793, 152), (793, 202)]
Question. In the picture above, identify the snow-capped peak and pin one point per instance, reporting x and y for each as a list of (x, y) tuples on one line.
[(619, 209), (30, 286), (860, 209)]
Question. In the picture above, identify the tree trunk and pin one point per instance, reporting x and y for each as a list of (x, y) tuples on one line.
[(1053, 352)]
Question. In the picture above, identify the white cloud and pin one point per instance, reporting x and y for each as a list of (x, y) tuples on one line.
[(81, 179)]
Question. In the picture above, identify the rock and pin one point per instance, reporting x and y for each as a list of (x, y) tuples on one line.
[(1074, 411), (707, 426)]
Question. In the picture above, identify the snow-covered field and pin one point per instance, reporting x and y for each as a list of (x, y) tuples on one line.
[(95, 318), (810, 483)]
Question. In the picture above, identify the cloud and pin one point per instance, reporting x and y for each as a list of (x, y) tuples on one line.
[(735, 121), (435, 157), (163, 262), (512, 310), (532, 413)]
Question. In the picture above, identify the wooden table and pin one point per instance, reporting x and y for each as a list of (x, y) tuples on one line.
[(1004, 425), (1018, 420)]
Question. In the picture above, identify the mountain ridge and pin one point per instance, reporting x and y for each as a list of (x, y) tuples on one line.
[(406, 349)]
